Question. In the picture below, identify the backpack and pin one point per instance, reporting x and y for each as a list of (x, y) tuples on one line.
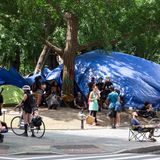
[(32, 101), (37, 121)]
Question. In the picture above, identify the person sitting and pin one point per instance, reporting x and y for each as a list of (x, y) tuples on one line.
[(147, 111), (54, 100), (40, 94), (137, 126), (79, 101)]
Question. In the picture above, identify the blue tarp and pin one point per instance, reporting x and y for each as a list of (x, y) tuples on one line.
[(138, 79), (11, 77)]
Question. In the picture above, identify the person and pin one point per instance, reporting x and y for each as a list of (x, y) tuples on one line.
[(93, 102), (1, 127), (103, 96), (147, 111), (136, 125), (37, 83), (112, 100), (27, 109), (1, 101), (118, 108), (40, 94), (107, 83), (79, 101), (91, 83), (100, 84)]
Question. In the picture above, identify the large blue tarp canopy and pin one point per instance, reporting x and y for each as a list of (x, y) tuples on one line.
[(137, 79)]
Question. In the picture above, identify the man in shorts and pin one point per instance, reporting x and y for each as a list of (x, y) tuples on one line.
[(112, 100)]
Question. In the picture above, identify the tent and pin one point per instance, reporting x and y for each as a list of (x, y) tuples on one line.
[(12, 94), (138, 79)]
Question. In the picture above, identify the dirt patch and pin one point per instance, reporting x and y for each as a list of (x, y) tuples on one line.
[(67, 118), (70, 116)]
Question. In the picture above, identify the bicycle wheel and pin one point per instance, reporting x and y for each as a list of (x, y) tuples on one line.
[(156, 122), (39, 131), (17, 125)]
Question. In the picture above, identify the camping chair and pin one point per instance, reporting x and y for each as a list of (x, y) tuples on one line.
[(138, 134)]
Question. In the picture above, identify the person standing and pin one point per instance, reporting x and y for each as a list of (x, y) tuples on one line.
[(93, 102), (112, 100), (1, 101), (27, 109), (107, 83), (1, 105)]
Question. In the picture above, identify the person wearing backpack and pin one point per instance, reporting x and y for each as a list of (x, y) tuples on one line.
[(27, 109)]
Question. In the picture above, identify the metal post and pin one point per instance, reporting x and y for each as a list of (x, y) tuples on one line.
[(4, 112), (82, 119), (82, 124), (4, 116)]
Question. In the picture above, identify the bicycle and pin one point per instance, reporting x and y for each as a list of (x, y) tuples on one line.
[(156, 123), (17, 127)]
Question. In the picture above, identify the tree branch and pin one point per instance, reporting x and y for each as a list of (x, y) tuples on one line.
[(96, 44), (59, 51)]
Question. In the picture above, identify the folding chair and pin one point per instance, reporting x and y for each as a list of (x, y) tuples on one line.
[(138, 135)]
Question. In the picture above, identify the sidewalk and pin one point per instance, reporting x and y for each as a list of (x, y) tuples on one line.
[(64, 136), (75, 142)]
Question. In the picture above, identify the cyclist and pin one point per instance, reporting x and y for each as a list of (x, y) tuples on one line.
[(27, 109)]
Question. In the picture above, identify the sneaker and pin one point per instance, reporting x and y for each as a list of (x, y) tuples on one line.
[(152, 139), (113, 126)]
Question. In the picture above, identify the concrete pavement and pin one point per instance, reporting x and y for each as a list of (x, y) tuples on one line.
[(75, 142), (61, 139)]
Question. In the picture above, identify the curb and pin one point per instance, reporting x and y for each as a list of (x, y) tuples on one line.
[(141, 150)]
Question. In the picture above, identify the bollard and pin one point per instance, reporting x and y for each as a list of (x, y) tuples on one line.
[(82, 118), (4, 112)]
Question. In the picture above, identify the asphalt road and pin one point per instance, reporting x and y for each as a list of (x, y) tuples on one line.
[(76, 144)]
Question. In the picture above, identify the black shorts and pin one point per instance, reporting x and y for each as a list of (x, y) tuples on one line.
[(27, 110), (112, 113)]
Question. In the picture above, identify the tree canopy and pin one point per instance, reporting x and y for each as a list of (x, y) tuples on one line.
[(120, 25)]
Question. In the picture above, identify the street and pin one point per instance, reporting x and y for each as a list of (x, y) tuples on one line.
[(77, 144)]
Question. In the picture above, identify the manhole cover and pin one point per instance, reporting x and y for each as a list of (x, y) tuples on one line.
[(77, 149)]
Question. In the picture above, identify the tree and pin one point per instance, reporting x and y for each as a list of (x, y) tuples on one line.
[(27, 26)]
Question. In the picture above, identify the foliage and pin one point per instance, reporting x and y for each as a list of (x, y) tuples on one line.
[(130, 26)]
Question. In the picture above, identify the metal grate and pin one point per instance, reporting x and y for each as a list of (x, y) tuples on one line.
[(75, 147)]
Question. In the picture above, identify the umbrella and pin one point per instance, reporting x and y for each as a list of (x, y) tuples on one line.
[(12, 94)]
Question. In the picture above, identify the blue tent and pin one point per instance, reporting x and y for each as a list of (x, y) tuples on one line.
[(137, 78)]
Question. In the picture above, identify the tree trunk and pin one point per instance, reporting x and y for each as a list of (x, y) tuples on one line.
[(69, 54), (41, 60), (16, 62)]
